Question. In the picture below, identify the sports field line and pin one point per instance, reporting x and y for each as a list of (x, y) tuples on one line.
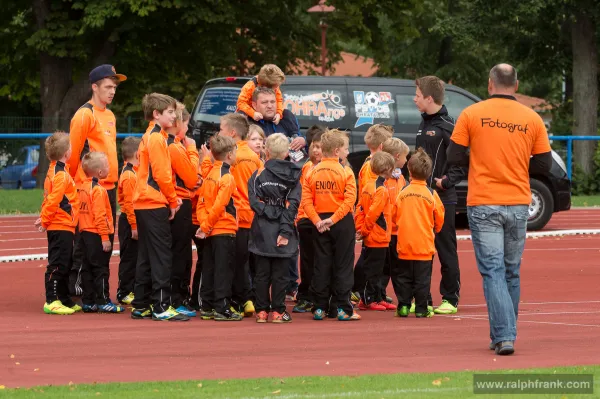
[(527, 314), (555, 323), (351, 394), (483, 305)]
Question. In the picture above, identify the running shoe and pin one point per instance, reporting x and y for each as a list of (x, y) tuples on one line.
[(57, 307)]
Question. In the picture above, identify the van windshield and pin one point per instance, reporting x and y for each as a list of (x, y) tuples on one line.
[(216, 102)]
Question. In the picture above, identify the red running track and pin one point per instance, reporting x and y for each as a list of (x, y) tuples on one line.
[(559, 323)]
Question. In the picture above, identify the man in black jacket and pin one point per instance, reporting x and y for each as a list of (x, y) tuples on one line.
[(434, 136)]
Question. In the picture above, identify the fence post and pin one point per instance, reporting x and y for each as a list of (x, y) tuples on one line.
[(569, 158)]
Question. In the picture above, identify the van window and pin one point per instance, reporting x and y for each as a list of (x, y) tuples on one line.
[(371, 105), (408, 114), (216, 102), (456, 102), (327, 105)]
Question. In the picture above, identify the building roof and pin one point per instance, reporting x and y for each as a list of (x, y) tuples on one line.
[(349, 65), (537, 104)]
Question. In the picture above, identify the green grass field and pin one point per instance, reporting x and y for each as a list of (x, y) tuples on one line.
[(424, 385), (14, 202)]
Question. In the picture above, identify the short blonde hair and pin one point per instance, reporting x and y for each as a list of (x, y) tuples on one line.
[(129, 147), (254, 128), (156, 102), (377, 135), (395, 146), (220, 146), (92, 161), (382, 162), (332, 139), (57, 145), (181, 114), (278, 146), (270, 75), (237, 122), (419, 165)]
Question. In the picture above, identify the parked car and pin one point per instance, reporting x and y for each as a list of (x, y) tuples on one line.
[(353, 105), (20, 172)]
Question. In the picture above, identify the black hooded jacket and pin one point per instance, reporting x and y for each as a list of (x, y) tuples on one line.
[(274, 193), (434, 136)]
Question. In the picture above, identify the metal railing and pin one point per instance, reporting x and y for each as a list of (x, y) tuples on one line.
[(569, 140)]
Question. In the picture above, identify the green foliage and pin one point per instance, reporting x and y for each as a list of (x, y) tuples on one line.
[(587, 184)]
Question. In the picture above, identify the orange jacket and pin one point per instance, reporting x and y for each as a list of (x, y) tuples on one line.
[(365, 175), (93, 129), (95, 212), (60, 208), (184, 162), (154, 187), (306, 170), (330, 188), (216, 210), (394, 186), (246, 162), (373, 216), (419, 211), (244, 102), (127, 183)]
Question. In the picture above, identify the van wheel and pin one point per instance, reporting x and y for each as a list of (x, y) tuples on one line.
[(541, 207)]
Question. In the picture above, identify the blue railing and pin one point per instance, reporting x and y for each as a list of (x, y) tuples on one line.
[(44, 135), (569, 140)]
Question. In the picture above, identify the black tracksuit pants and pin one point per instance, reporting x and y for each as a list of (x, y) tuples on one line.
[(153, 271), (271, 273), (217, 272), (181, 250), (128, 249), (60, 251), (412, 278), (373, 269), (307, 234), (195, 299), (242, 286), (391, 259), (359, 272), (445, 245), (95, 271), (334, 261)]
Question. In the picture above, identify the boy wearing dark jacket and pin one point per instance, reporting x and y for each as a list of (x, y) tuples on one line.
[(274, 193)]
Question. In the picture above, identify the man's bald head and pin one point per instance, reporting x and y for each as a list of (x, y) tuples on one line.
[(504, 76)]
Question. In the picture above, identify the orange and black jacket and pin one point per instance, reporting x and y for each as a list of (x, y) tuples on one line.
[(184, 162), (60, 208), (127, 183), (154, 188), (95, 214), (306, 169), (93, 129), (365, 175), (329, 189), (373, 215), (215, 210), (419, 212), (246, 163), (244, 102), (394, 187)]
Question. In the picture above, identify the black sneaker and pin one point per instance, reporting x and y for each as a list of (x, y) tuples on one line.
[(505, 348), (207, 314), (169, 315), (142, 313), (228, 315)]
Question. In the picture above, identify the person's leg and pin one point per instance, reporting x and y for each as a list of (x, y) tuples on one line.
[(160, 255), (261, 283), (387, 270), (89, 250), (241, 275), (514, 245), (445, 244), (306, 233), (60, 251), (112, 199), (292, 286), (142, 287), (224, 255), (402, 281), (196, 280), (279, 279), (359, 273), (320, 285), (207, 283), (128, 249), (75, 277), (421, 271), (487, 225), (181, 250), (373, 266), (343, 233)]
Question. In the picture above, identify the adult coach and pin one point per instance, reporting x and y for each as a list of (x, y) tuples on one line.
[(93, 128), (434, 136), (507, 141)]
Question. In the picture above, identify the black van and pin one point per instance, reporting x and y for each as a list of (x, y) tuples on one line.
[(354, 104)]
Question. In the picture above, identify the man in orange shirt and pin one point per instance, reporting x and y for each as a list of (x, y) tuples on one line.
[(94, 128), (507, 141)]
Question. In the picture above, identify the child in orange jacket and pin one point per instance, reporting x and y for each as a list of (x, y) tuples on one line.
[(128, 234), (419, 212), (269, 76), (218, 225), (95, 225), (58, 218), (374, 227)]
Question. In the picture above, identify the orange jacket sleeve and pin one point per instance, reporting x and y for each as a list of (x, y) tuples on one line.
[(52, 201), (80, 126), (359, 218), (380, 199), (349, 197), (161, 167), (244, 102), (205, 167), (460, 134), (185, 163), (201, 207), (224, 193), (438, 213), (128, 190), (279, 99), (99, 200), (307, 202)]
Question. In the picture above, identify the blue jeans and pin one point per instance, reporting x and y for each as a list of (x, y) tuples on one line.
[(498, 234)]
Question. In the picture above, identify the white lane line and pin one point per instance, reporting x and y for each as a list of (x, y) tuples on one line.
[(483, 305)]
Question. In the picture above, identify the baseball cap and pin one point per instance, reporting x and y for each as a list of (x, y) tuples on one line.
[(105, 71)]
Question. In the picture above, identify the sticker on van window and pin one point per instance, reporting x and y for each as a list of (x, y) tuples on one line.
[(372, 105), (326, 105)]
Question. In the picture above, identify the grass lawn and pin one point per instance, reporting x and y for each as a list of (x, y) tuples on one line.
[(14, 202), (435, 385), (586, 200)]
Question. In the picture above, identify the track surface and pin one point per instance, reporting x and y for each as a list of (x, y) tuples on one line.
[(559, 323)]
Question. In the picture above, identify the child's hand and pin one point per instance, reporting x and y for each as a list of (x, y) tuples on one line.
[(257, 116), (282, 241), (134, 234), (438, 182), (205, 151), (200, 234), (106, 247), (324, 225), (276, 119), (189, 141), (42, 229), (38, 222)]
